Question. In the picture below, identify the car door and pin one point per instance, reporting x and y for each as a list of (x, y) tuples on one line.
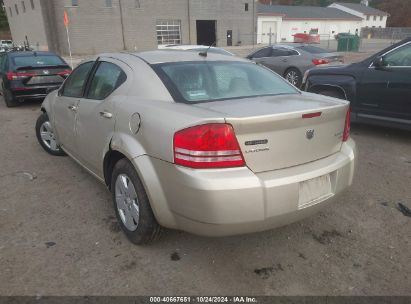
[(96, 112), (386, 90), (66, 106)]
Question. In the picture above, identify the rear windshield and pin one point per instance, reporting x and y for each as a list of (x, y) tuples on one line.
[(193, 82), (39, 60), (312, 49)]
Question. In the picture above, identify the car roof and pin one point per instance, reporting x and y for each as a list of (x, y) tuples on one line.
[(30, 53), (168, 56)]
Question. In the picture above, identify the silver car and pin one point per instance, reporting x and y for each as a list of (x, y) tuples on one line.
[(292, 60), (214, 145)]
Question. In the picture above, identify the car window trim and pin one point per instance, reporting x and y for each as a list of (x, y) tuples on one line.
[(91, 77), (85, 83)]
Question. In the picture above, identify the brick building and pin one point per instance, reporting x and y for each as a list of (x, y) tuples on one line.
[(114, 25)]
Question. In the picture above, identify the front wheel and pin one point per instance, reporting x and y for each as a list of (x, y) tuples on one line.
[(293, 76), (46, 136), (132, 206)]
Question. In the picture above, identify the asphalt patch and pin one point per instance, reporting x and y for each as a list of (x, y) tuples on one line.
[(266, 272), (50, 244), (175, 256), (404, 209), (327, 237)]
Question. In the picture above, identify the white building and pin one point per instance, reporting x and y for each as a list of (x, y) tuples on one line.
[(283, 21), (371, 17)]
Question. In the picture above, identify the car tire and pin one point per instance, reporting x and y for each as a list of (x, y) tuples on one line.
[(294, 76), (10, 101), (132, 206), (332, 93), (46, 136)]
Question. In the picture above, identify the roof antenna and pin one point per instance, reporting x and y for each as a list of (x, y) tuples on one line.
[(204, 54)]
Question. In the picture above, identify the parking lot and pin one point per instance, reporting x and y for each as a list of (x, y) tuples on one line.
[(58, 233)]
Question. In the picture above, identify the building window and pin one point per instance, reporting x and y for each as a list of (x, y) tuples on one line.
[(23, 5), (17, 8), (168, 32), (10, 12), (375, 18), (109, 3), (246, 7), (32, 4), (381, 18), (74, 2), (368, 18), (137, 4)]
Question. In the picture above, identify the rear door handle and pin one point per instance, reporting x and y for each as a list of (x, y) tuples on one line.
[(106, 114), (73, 108)]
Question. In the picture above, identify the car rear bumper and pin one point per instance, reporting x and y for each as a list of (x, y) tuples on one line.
[(236, 201), (32, 92)]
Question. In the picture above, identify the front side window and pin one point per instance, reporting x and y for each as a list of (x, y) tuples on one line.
[(168, 32), (400, 57), (107, 78), (74, 84), (265, 52), (280, 52), (193, 82)]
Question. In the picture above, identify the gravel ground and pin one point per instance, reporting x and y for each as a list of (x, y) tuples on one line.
[(58, 234)]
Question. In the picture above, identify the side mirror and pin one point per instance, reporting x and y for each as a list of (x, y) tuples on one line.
[(51, 89), (379, 62), (249, 57)]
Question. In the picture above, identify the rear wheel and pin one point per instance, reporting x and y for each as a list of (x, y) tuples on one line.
[(132, 206), (9, 99), (46, 137), (294, 76), (332, 93)]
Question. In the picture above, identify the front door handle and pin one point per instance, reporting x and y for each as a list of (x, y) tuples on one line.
[(73, 108), (106, 114)]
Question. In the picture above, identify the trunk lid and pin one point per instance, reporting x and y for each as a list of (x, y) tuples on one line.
[(273, 134), (47, 75)]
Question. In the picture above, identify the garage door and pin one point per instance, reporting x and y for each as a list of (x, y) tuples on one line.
[(266, 26)]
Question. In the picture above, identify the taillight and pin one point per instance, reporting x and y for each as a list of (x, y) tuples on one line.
[(207, 146), (18, 75), (64, 73), (347, 126), (320, 61)]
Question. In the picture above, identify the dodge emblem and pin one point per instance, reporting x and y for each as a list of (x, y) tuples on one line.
[(310, 134), (46, 72)]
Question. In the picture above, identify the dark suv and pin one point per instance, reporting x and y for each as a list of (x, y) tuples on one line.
[(30, 75), (378, 87)]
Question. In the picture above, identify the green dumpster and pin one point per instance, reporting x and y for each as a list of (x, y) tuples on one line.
[(348, 43)]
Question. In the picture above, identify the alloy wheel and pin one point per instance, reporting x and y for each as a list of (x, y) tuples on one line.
[(127, 202)]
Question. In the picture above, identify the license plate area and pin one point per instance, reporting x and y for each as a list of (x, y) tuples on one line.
[(45, 79), (314, 190)]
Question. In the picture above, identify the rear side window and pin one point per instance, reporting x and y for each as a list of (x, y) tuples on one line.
[(74, 84), (107, 78), (193, 82), (278, 52), (38, 60)]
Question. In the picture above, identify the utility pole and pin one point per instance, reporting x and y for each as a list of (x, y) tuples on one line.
[(122, 24), (189, 21)]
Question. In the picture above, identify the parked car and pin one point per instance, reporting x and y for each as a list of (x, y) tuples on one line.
[(30, 75), (214, 145), (197, 48), (378, 87), (292, 61), (6, 43)]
